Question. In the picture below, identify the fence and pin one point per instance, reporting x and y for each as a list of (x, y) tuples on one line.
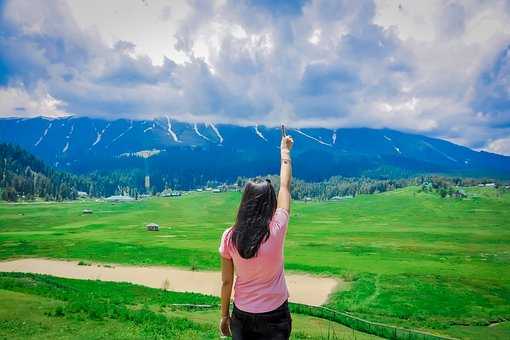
[(375, 328)]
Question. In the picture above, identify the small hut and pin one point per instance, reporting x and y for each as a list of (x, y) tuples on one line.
[(152, 227), (87, 211)]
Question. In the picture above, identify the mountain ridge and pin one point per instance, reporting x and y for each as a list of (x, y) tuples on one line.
[(83, 144)]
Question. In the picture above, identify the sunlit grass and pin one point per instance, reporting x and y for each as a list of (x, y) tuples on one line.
[(416, 259)]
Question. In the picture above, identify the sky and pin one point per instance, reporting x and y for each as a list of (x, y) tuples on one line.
[(438, 68)]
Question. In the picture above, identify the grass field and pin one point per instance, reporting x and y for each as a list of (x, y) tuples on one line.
[(415, 259), (37, 306)]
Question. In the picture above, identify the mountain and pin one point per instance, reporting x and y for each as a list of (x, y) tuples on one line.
[(186, 154)]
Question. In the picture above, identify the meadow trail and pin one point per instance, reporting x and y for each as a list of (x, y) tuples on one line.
[(306, 289)]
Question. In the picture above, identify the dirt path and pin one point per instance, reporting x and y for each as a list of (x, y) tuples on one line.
[(306, 289)]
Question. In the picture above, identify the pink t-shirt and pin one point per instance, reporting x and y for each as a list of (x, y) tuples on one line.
[(260, 281)]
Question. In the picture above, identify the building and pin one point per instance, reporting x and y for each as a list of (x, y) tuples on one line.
[(166, 193), (459, 194), (119, 198), (82, 194), (152, 227), (339, 198)]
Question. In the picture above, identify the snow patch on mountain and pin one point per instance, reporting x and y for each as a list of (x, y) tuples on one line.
[(66, 147), (150, 127), (259, 133), (217, 132), (312, 138), (44, 134), (100, 134), (170, 132), (397, 149), (195, 127), (122, 134), (440, 152)]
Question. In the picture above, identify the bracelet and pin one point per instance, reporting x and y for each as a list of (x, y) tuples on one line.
[(286, 159)]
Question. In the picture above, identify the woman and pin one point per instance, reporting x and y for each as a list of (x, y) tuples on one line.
[(254, 247)]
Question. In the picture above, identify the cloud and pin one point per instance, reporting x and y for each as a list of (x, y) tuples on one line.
[(20, 103), (501, 146), (433, 67)]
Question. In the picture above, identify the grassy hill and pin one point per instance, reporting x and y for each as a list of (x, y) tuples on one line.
[(414, 259), (42, 307)]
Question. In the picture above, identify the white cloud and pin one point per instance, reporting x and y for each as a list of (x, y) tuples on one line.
[(501, 146), (416, 66), (150, 25), (16, 102)]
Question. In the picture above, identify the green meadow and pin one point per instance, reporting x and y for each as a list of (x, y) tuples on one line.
[(45, 307), (413, 259)]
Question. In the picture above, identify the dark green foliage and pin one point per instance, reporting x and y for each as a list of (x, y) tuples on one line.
[(25, 177)]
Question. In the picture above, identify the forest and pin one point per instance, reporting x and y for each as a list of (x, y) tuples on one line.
[(24, 177)]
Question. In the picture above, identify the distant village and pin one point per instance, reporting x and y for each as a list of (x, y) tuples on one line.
[(126, 194), (443, 186)]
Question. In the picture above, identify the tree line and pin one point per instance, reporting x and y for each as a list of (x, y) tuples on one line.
[(342, 187), (25, 177)]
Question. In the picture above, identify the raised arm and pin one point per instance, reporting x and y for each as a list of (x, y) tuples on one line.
[(285, 173)]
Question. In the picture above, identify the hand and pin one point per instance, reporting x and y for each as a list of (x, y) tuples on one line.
[(225, 326), (286, 143)]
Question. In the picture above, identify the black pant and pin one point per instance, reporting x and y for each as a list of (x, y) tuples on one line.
[(276, 324)]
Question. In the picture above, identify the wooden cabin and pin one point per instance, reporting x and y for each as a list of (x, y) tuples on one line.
[(152, 227)]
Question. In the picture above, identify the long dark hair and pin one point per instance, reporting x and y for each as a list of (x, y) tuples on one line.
[(256, 210)]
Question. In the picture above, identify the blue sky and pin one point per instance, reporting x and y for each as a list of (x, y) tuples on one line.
[(439, 68)]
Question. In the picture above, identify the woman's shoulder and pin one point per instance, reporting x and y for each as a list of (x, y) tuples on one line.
[(226, 236), (226, 232), (225, 243)]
